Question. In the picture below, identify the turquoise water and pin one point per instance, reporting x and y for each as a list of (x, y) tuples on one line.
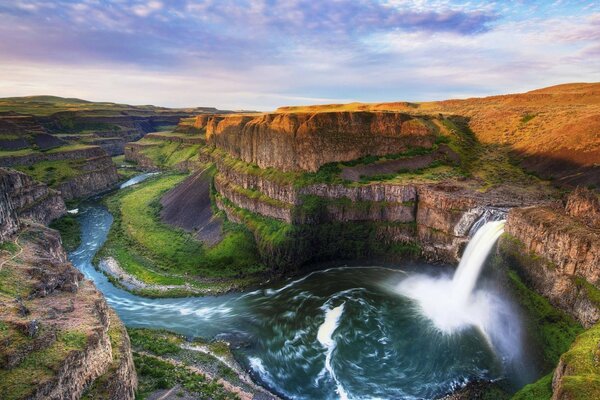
[(343, 332)]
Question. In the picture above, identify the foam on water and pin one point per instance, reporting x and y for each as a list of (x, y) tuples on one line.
[(452, 303), (325, 337)]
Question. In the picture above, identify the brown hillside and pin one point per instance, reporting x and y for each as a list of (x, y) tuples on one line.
[(555, 130)]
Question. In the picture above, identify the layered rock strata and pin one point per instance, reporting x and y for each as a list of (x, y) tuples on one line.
[(95, 171), (558, 250), (306, 141), (23, 198), (437, 218)]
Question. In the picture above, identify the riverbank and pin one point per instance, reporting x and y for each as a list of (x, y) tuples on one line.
[(151, 258)]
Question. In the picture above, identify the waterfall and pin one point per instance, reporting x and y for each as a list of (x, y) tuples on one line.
[(451, 302), (473, 259)]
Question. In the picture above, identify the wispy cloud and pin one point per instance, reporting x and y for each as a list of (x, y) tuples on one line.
[(264, 53)]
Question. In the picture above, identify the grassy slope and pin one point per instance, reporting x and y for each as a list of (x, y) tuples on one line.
[(166, 154), (155, 373), (159, 254)]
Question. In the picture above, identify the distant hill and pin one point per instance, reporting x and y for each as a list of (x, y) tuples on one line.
[(48, 105)]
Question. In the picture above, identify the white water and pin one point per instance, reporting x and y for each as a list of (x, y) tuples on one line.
[(453, 303), (325, 337), (472, 261)]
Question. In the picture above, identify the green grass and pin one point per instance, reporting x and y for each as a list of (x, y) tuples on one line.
[(554, 329), (166, 154), (158, 342), (70, 231), (9, 247), (53, 172), (54, 150), (157, 253), (582, 377), (527, 117), (39, 366), (539, 390), (155, 374)]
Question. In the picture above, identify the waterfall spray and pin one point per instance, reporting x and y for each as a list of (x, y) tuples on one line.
[(452, 303)]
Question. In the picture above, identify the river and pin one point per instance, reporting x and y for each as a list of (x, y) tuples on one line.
[(344, 332)]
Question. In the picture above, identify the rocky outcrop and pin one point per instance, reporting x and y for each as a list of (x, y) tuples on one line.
[(306, 141), (94, 170), (56, 339), (96, 176), (577, 375), (559, 254), (160, 152), (584, 205), (191, 139), (23, 198)]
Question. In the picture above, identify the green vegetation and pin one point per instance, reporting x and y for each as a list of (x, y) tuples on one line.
[(53, 172), (155, 374), (554, 330), (48, 105), (286, 244), (157, 253), (9, 247), (167, 154), (38, 366), (125, 168), (581, 378), (166, 365), (54, 150), (70, 231), (527, 117), (539, 390), (158, 342), (591, 291)]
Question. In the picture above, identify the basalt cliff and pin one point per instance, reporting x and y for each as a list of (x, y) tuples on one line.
[(58, 337)]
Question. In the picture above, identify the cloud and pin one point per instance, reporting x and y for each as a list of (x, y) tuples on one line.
[(265, 53)]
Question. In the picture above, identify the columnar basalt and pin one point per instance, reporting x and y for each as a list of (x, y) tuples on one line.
[(23, 198), (306, 141), (436, 218), (559, 254)]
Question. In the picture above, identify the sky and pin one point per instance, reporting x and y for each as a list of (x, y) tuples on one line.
[(262, 54)]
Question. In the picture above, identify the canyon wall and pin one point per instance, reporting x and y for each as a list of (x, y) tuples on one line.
[(435, 218), (23, 198), (58, 334), (557, 249), (305, 141), (94, 171)]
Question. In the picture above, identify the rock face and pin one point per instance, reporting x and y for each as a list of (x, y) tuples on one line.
[(306, 141), (436, 218), (98, 174), (96, 171), (60, 321), (23, 198), (564, 253)]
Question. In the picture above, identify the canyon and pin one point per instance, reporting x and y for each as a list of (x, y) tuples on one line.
[(59, 338), (387, 183)]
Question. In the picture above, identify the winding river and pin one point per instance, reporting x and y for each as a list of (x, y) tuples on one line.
[(344, 332)]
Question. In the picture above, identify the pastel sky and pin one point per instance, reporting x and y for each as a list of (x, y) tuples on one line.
[(261, 54)]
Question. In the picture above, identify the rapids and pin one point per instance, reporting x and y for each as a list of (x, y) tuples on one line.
[(346, 332)]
